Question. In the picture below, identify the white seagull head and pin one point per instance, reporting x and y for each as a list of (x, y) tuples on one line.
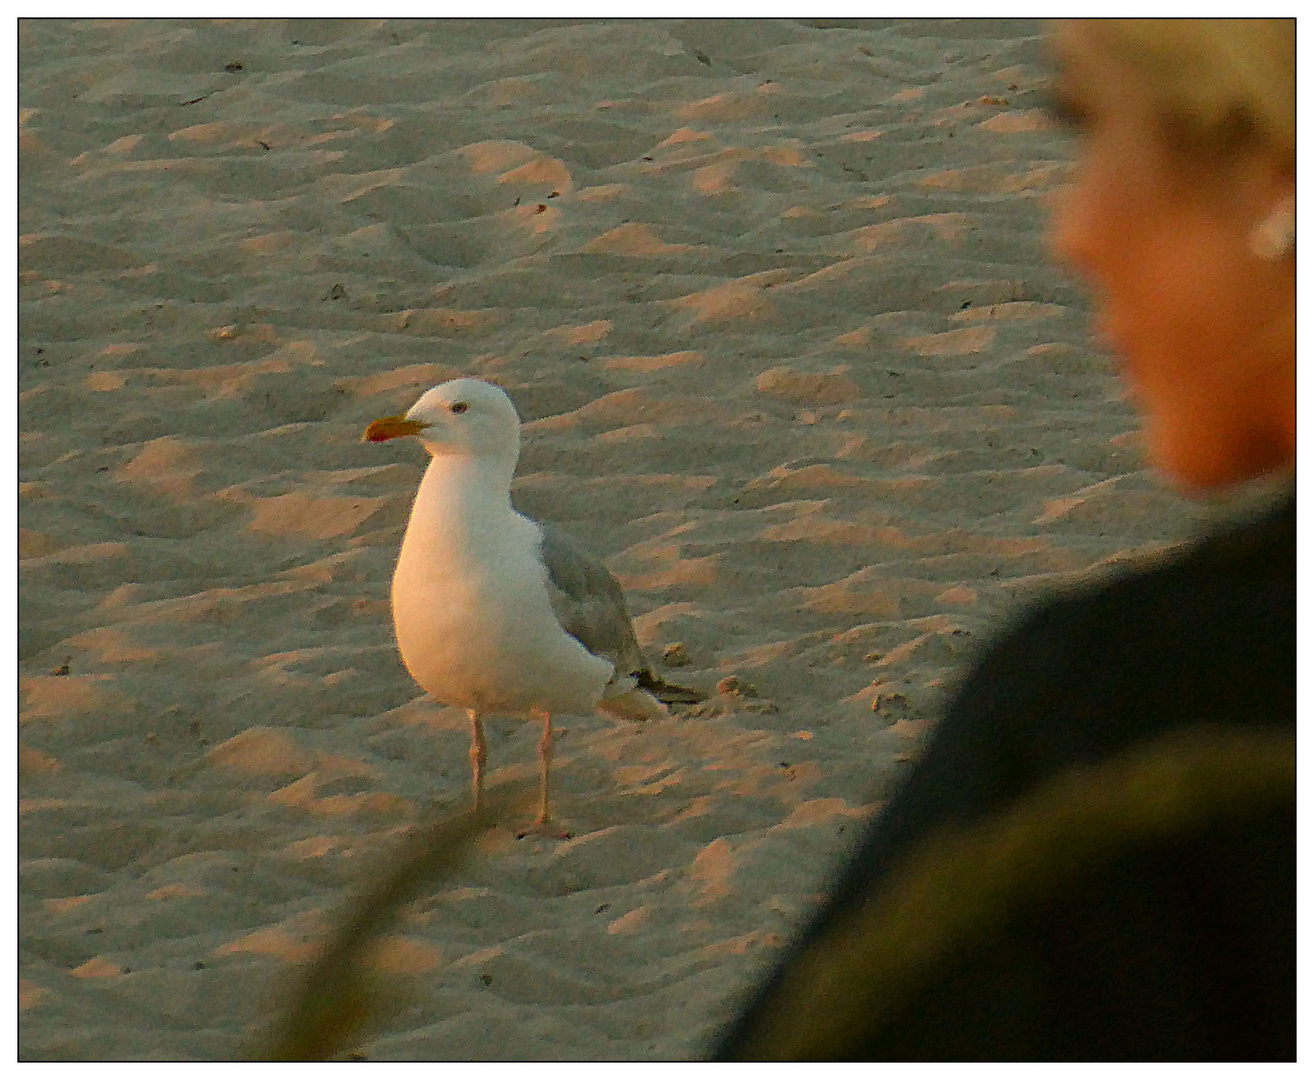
[(462, 418)]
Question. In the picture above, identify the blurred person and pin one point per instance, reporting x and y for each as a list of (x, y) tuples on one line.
[(1095, 857)]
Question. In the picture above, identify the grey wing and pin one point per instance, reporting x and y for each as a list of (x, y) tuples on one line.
[(589, 604)]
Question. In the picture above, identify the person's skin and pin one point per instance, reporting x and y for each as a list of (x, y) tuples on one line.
[(1205, 328)]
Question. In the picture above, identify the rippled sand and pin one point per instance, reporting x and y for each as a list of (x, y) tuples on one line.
[(772, 301)]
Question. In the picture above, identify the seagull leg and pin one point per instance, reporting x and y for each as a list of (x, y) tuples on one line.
[(544, 825), (478, 756)]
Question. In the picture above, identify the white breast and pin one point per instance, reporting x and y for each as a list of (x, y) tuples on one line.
[(470, 604)]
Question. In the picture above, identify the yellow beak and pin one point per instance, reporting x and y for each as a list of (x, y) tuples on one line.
[(391, 427)]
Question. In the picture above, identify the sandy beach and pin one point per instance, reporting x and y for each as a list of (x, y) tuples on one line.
[(772, 301)]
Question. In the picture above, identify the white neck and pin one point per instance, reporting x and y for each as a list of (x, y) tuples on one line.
[(461, 498)]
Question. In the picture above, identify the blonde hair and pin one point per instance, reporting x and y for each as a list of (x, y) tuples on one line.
[(1221, 83)]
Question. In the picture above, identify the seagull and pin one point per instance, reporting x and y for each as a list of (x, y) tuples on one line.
[(495, 612)]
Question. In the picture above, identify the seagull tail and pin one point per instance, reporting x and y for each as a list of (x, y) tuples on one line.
[(667, 693), (633, 705)]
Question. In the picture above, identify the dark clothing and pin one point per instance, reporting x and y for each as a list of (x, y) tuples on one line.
[(1199, 938)]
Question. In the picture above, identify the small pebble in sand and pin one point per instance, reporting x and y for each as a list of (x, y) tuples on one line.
[(889, 702), (734, 686), (676, 655)]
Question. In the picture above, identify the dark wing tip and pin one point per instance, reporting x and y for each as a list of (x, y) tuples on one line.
[(667, 693)]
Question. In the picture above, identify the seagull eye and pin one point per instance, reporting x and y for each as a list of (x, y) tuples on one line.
[(458, 406)]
